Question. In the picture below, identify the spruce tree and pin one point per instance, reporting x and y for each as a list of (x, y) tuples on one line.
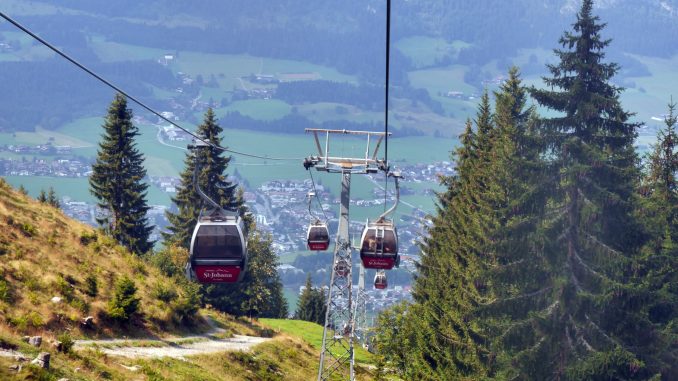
[(655, 270), (585, 321), (446, 293), (213, 182), (304, 303), (513, 267), (117, 180), (52, 198), (312, 304), (660, 187), (262, 287), (42, 196)]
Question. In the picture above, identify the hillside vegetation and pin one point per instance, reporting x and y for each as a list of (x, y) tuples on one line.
[(56, 271)]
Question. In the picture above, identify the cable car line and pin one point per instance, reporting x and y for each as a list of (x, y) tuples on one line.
[(388, 65), (320, 205), (134, 99)]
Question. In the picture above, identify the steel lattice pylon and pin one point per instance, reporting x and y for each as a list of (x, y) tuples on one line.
[(336, 354), (360, 312), (337, 349)]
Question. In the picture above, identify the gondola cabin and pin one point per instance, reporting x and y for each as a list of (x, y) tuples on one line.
[(380, 281), (318, 237), (218, 250), (379, 245)]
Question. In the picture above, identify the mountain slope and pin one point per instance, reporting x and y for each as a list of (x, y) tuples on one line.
[(48, 265)]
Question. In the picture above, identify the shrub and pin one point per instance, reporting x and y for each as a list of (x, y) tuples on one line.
[(170, 260), (124, 304), (91, 286), (187, 306), (164, 293), (64, 288), (31, 319), (28, 229), (5, 291), (66, 342), (88, 237)]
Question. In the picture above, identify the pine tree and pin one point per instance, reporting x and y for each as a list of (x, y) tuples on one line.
[(584, 320), (312, 304), (512, 265), (260, 292), (660, 187), (213, 182), (42, 196), (23, 190), (446, 292), (117, 180), (262, 286), (304, 304), (655, 269), (52, 198)]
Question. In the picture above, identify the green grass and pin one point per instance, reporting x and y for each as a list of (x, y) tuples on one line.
[(261, 109), (313, 334), (110, 51), (75, 188), (441, 80), (425, 51), (327, 111), (168, 161)]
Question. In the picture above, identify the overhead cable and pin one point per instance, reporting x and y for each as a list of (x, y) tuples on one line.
[(134, 99)]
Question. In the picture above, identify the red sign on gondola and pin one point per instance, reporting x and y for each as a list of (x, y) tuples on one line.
[(320, 246), (378, 263), (217, 274)]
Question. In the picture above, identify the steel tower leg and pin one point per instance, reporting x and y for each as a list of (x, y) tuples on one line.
[(360, 313), (336, 356)]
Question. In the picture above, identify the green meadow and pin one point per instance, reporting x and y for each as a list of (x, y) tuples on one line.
[(163, 160), (313, 334), (428, 51)]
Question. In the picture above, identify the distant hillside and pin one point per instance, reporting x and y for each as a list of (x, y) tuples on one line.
[(55, 271)]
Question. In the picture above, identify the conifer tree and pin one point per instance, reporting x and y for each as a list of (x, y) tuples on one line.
[(42, 196), (655, 270), (52, 198), (23, 190), (117, 180), (213, 181), (585, 319), (443, 343), (260, 294), (262, 287), (660, 186), (311, 305), (516, 192)]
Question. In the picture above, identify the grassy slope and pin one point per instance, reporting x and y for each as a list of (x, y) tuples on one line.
[(313, 334), (42, 257)]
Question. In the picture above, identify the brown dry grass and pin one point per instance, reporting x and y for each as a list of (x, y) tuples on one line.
[(43, 256)]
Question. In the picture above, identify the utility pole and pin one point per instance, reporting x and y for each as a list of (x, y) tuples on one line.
[(336, 355)]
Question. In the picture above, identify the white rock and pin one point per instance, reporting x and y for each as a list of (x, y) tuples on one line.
[(56, 300)]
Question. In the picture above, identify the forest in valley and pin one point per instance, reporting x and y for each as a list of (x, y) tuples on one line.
[(552, 255)]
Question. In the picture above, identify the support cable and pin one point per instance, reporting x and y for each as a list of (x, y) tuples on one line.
[(388, 60), (134, 99), (317, 197)]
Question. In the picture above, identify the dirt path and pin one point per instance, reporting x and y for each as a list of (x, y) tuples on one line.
[(175, 348), (178, 347)]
